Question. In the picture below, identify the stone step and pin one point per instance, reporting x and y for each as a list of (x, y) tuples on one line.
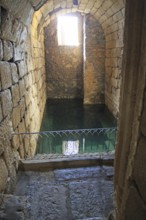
[(79, 193), (94, 218), (51, 164)]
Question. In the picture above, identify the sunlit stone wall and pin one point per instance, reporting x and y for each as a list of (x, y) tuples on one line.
[(22, 91)]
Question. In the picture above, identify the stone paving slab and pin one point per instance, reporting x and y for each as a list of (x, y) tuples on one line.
[(48, 202), (71, 174), (13, 208), (86, 199), (64, 194)]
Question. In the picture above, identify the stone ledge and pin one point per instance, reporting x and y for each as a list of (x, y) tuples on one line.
[(96, 218), (58, 163)]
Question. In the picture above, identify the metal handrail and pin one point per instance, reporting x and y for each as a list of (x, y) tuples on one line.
[(80, 131), (89, 140)]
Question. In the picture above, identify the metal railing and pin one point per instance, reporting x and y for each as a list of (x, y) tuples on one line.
[(70, 142)]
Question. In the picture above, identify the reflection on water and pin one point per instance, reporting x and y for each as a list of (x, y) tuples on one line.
[(70, 147), (71, 115), (84, 143)]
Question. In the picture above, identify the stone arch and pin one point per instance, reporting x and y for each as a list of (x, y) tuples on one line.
[(110, 14), (22, 66), (111, 17)]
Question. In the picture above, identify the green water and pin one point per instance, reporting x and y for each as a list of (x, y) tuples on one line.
[(71, 115)]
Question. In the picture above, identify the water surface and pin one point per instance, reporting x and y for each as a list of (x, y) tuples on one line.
[(72, 115)]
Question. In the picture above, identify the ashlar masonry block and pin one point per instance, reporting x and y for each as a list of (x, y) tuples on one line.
[(6, 100), (1, 50), (14, 73), (5, 74), (8, 50), (3, 175), (15, 94)]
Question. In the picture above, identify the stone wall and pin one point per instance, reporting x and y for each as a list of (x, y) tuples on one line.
[(22, 61), (8, 158), (113, 64), (64, 65), (94, 71), (22, 92), (111, 15), (130, 158)]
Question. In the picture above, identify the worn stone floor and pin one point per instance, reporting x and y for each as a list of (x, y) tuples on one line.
[(63, 194)]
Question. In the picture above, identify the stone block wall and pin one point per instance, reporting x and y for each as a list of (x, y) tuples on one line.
[(22, 68), (68, 75), (64, 64), (130, 158), (114, 30), (22, 92), (94, 71), (111, 16)]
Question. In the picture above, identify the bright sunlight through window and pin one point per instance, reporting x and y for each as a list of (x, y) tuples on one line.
[(68, 31)]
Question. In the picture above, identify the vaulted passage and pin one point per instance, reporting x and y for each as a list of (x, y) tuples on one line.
[(76, 71), (106, 65)]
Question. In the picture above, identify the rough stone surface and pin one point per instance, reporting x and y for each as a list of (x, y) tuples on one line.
[(5, 74), (15, 142), (22, 87), (82, 193), (15, 94), (18, 53), (113, 63), (16, 116), (3, 175), (22, 107), (22, 57), (95, 61), (1, 112), (64, 65), (14, 73), (22, 69), (1, 50), (6, 25), (6, 101), (8, 50), (2, 147), (13, 208), (7, 156)]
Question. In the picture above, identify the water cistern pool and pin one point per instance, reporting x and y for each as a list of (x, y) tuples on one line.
[(74, 128)]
